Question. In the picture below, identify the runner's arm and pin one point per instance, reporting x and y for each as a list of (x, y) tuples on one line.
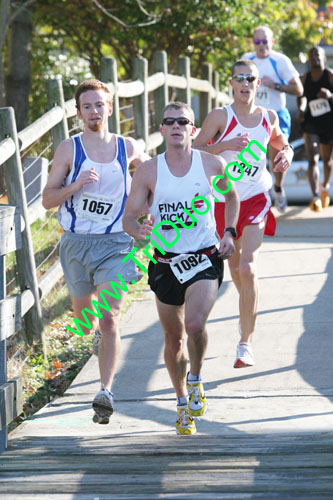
[(136, 202), (135, 153), (212, 127), (293, 87), (54, 194)]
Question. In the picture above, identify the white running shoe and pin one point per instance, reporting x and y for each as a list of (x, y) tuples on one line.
[(244, 356), (103, 406), (281, 202), (96, 342)]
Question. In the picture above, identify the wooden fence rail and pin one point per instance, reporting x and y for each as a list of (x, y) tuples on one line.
[(12, 144)]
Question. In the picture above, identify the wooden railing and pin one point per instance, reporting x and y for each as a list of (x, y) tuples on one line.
[(17, 217)]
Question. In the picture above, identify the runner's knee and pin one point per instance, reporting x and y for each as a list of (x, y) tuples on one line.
[(194, 326)]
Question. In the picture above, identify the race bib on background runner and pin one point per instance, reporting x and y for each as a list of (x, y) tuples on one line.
[(262, 96), (319, 107), (186, 266), (96, 208)]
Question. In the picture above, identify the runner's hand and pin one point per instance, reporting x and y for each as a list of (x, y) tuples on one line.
[(324, 93), (283, 160), (237, 143), (86, 177), (146, 228), (227, 246)]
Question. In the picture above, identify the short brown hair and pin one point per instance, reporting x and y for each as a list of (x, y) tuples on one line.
[(244, 62), (92, 85), (178, 105)]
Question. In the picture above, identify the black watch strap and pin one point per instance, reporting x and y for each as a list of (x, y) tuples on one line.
[(231, 230)]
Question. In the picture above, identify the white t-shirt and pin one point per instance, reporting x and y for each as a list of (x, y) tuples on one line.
[(280, 69)]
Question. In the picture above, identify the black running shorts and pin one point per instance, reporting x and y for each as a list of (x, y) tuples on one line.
[(167, 288)]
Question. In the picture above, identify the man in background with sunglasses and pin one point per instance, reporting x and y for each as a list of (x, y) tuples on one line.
[(278, 77), (245, 122), (186, 271)]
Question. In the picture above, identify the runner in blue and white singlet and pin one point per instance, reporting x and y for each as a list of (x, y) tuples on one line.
[(89, 181), (98, 207)]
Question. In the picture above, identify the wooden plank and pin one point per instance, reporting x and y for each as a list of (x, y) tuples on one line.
[(140, 103), (175, 81), (55, 99), (10, 316), (155, 81), (38, 128), (235, 481), (7, 149), (154, 140), (24, 256), (70, 108), (10, 401), (130, 89), (116, 463), (50, 278), (10, 229), (109, 73)]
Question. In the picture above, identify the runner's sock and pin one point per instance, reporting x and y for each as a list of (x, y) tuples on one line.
[(193, 378), (182, 401)]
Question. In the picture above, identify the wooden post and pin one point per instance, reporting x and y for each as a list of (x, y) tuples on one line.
[(25, 256), (3, 350), (216, 85), (55, 97), (184, 69), (205, 98), (161, 95), (140, 72), (109, 74)]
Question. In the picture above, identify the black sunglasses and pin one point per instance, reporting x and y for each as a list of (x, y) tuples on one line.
[(180, 121), (241, 78), (258, 42)]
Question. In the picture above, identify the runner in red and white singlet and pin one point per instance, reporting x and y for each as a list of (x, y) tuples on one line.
[(227, 132)]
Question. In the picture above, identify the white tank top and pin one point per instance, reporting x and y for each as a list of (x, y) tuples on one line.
[(257, 179), (98, 207), (173, 196)]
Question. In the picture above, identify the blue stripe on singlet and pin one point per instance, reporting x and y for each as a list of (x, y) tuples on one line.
[(78, 161), (274, 65), (122, 159)]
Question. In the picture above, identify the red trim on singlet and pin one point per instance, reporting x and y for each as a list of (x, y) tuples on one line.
[(266, 127), (231, 127)]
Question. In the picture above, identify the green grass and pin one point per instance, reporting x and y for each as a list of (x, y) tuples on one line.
[(43, 379)]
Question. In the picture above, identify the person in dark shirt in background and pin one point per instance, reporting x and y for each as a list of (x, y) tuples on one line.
[(316, 118)]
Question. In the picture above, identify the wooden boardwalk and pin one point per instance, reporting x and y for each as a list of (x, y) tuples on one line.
[(268, 432), (164, 467)]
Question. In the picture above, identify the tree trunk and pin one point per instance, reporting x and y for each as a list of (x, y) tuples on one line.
[(18, 80)]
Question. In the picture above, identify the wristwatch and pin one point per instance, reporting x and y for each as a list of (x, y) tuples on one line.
[(277, 86), (231, 230)]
